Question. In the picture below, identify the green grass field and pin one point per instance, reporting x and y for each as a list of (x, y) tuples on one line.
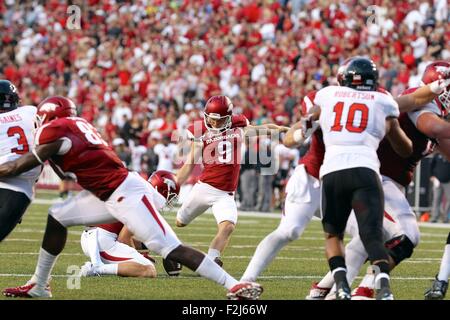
[(289, 277)]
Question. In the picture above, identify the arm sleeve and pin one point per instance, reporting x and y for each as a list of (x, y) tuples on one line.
[(390, 106)]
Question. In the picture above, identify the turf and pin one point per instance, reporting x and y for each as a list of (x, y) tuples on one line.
[(288, 278)]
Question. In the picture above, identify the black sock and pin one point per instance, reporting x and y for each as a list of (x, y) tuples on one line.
[(338, 262)]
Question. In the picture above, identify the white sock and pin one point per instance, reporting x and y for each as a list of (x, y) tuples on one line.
[(264, 254), (327, 281), (107, 269), (210, 270), (368, 281), (355, 256), (93, 247), (444, 270), (380, 276), (44, 267), (213, 253)]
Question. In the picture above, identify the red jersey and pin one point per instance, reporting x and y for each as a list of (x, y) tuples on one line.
[(401, 169), (221, 154), (84, 154), (115, 227), (313, 158)]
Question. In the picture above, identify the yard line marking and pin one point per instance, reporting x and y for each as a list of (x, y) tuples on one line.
[(416, 260), (267, 277)]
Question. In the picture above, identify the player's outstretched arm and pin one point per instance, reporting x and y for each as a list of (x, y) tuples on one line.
[(264, 129), (30, 160), (398, 139), (433, 127), (422, 96), (192, 159), (295, 136)]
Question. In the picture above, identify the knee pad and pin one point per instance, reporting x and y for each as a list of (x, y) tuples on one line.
[(399, 248), (289, 233)]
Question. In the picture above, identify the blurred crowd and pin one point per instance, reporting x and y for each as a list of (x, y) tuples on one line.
[(142, 70)]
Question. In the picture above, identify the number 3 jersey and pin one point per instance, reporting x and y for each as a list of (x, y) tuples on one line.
[(353, 124), (83, 155), (221, 153), (17, 128)]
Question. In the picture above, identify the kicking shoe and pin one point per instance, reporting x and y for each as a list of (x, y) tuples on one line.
[(218, 261), (245, 291), (437, 291), (317, 293), (28, 291), (89, 270), (343, 291), (363, 293)]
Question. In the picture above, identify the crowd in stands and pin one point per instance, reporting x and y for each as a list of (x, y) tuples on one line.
[(141, 70)]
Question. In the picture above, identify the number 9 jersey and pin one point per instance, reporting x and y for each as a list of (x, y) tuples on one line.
[(221, 152), (83, 155), (17, 128), (353, 124)]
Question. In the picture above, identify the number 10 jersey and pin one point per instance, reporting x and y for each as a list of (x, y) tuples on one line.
[(353, 124)]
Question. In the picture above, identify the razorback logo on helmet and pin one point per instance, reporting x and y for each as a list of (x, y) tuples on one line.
[(170, 184), (48, 107)]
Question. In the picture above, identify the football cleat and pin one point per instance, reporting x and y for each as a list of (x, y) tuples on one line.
[(245, 291), (363, 293), (385, 294), (172, 267), (89, 270), (317, 293), (437, 291), (343, 291), (28, 291), (218, 261)]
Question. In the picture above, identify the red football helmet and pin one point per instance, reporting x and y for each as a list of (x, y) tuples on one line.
[(166, 184), (218, 108), (433, 72), (56, 107)]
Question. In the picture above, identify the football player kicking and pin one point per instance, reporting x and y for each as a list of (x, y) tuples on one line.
[(17, 126), (216, 143), (74, 147), (303, 187)]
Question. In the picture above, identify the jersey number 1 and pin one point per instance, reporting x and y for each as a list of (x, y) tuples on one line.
[(349, 124)]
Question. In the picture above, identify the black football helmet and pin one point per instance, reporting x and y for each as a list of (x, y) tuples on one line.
[(9, 99), (358, 73)]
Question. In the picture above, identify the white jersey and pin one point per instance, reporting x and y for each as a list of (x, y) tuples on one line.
[(17, 128), (353, 124)]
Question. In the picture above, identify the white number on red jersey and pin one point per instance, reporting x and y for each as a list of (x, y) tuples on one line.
[(90, 133), (224, 148)]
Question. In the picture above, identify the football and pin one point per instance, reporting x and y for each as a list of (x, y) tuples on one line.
[(172, 267)]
